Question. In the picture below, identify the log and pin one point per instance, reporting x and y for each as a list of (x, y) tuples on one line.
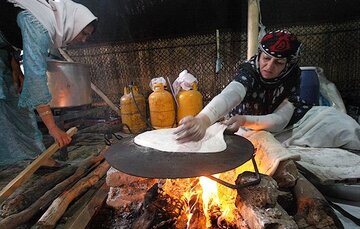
[(313, 210), (126, 190), (159, 210), (22, 217), (17, 203), (269, 152), (29, 170), (60, 204), (286, 174), (263, 195), (258, 204), (82, 219)]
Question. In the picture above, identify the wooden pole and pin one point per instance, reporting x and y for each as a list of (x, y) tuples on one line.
[(253, 27), (30, 169)]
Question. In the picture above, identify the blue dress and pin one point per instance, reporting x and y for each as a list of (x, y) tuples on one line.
[(20, 137)]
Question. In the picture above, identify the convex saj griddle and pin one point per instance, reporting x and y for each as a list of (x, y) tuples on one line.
[(128, 157)]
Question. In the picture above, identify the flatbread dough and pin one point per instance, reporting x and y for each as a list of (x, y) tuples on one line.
[(165, 140)]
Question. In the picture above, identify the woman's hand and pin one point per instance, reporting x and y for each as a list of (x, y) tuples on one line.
[(234, 123), (192, 128), (47, 117), (60, 136)]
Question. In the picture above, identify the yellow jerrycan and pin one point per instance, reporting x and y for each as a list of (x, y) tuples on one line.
[(162, 108), (133, 110), (189, 102)]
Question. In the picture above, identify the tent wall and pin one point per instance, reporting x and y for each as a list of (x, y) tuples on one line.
[(334, 47)]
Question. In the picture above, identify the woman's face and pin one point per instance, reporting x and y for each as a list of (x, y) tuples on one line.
[(83, 35), (271, 67)]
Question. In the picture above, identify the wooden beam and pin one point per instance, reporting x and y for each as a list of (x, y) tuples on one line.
[(253, 27), (30, 169)]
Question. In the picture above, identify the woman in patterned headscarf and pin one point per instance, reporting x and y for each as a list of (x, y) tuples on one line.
[(264, 95), (35, 26)]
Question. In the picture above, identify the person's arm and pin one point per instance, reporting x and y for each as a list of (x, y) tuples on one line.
[(194, 128), (273, 122), (35, 93), (220, 105)]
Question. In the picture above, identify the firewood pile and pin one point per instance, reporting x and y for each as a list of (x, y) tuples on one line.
[(47, 196), (73, 196)]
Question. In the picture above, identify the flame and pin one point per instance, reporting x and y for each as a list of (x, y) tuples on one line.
[(217, 201), (209, 197)]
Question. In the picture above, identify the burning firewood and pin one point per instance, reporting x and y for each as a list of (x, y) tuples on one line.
[(126, 190), (258, 203), (160, 210), (286, 174)]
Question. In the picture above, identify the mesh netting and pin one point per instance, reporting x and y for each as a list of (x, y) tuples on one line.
[(333, 47)]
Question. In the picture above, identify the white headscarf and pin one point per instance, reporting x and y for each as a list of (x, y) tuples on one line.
[(63, 19)]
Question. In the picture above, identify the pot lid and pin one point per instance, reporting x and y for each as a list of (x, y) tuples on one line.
[(130, 158)]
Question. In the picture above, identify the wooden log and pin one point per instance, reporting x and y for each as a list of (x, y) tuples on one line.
[(82, 219), (60, 204), (29, 170), (263, 195), (22, 217), (19, 202), (160, 210), (126, 190), (258, 204), (286, 174), (269, 151), (313, 210)]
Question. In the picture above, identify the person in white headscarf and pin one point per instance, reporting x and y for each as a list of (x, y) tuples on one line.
[(34, 26)]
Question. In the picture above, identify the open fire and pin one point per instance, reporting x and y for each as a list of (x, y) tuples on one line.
[(283, 200)]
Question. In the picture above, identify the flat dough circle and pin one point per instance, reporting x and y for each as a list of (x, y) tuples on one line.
[(164, 140)]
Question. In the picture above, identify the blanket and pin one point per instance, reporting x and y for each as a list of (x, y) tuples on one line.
[(323, 127)]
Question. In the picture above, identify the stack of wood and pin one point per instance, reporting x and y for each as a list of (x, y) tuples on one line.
[(50, 196)]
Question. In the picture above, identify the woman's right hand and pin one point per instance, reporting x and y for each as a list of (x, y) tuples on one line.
[(60, 136), (192, 128)]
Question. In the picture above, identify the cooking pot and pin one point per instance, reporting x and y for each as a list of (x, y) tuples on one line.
[(69, 83)]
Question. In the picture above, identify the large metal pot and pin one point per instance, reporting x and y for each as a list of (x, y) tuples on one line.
[(69, 83)]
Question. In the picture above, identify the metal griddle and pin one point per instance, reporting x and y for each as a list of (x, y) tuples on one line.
[(130, 158)]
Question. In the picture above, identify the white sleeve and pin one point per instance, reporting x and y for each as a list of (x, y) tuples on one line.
[(273, 122), (220, 105)]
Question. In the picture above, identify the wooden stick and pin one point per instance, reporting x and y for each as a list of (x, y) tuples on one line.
[(93, 86), (60, 204), (30, 169)]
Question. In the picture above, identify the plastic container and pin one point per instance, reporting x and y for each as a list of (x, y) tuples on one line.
[(133, 110), (310, 85), (190, 102), (162, 108)]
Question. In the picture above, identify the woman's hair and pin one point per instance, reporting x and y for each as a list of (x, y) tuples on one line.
[(94, 24), (281, 44)]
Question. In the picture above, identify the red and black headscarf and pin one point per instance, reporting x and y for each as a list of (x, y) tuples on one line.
[(278, 44), (281, 44)]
